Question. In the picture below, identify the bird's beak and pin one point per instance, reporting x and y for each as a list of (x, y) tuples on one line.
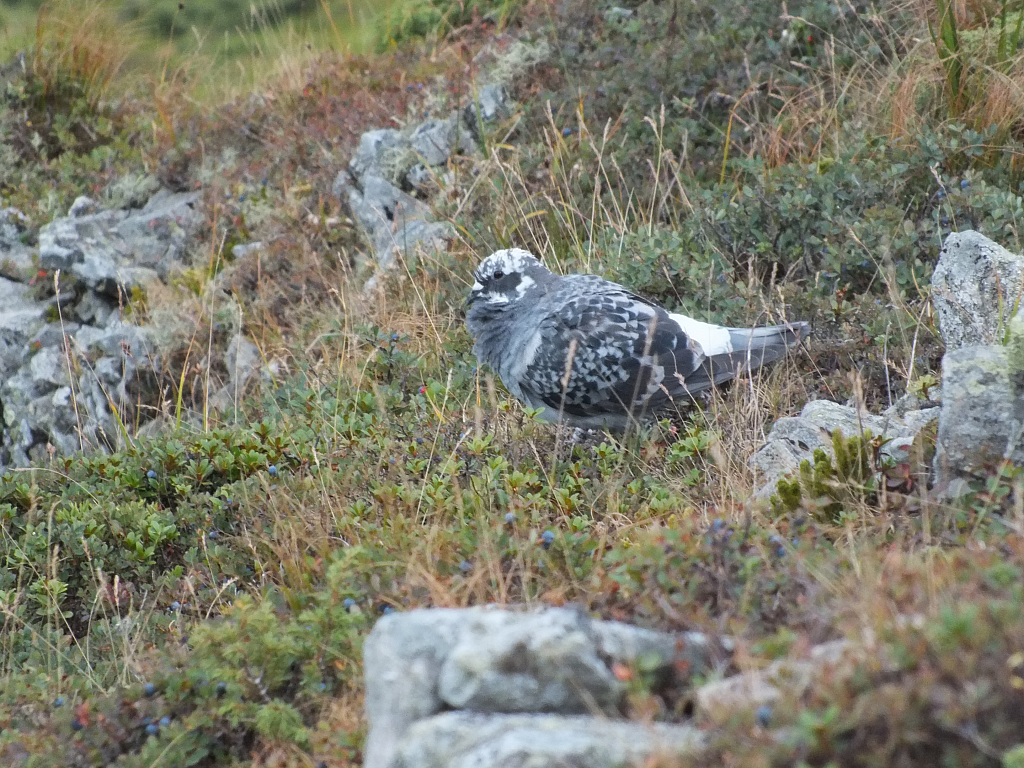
[(474, 294)]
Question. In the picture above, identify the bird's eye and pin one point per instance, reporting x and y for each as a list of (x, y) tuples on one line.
[(498, 275)]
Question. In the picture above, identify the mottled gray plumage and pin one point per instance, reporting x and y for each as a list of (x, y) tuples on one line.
[(590, 352)]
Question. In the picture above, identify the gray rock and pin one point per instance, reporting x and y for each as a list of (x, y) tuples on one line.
[(49, 370), (378, 153), (13, 224), (722, 700), (20, 319), (493, 102), (795, 438), (116, 339), (243, 361), (394, 221), (94, 309), (158, 235), (469, 740), (976, 288), (241, 250), (83, 206), (982, 420), (435, 141), (489, 659), (112, 251)]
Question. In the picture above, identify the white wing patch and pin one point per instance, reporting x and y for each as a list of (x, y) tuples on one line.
[(713, 339)]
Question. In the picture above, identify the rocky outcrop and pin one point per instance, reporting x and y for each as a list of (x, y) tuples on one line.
[(489, 663), (393, 171), (72, 364), (977, 289), (794, 439)]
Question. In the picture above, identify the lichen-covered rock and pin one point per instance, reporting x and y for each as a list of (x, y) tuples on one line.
[(982, 421), (976, 287), (492, 660), (472, 740)]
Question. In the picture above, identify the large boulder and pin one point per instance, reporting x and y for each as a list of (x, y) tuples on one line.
[(982, 420), (977, 287), (491, 660)]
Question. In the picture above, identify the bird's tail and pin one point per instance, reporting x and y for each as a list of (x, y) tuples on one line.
[(752, 348)]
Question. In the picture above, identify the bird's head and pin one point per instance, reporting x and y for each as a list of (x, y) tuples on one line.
[(505, 277)]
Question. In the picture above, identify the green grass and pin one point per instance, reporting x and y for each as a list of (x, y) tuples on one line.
[(231, 590)]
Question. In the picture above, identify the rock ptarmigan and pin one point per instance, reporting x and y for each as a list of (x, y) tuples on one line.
[(591, 353)]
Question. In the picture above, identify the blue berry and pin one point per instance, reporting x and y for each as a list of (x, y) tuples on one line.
[(780, 552), (58, 702), (214, 535), (175, 606), (152, 729), (76, 725), (944, 221), (323, 686), (567, 131), (510, 518), (394, 337), (165, 721), (775, 540), (465, 566), (222, 688), (272, 469), (151, 474), (718, 525), (764, 715), (349, 602), (964, 184), (547, 539), (149, 689), (388, 609), (941, 194)]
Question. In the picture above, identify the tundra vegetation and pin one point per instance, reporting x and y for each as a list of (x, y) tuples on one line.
[(199, 597)]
